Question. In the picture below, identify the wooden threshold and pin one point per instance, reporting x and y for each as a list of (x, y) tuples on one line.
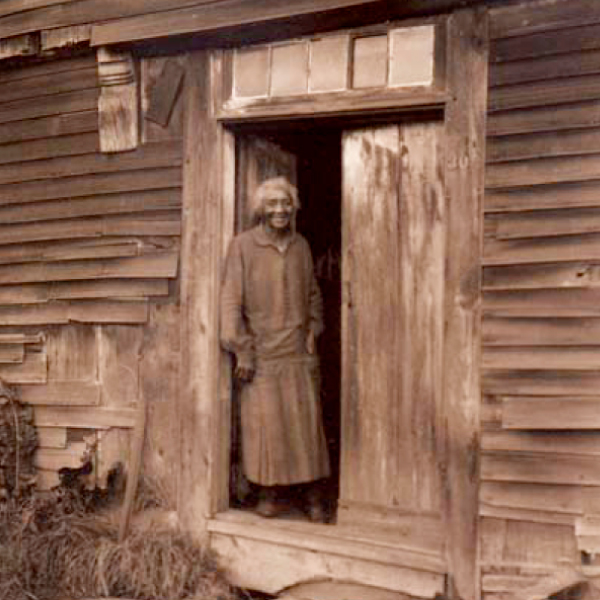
[(271, 555)]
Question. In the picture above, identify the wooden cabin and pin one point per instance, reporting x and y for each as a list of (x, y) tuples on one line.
[(447, 155)]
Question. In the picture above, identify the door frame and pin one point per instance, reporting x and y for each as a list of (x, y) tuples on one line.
[(208, 225)]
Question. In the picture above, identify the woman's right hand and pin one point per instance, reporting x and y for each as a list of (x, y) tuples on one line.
[(244, 371)]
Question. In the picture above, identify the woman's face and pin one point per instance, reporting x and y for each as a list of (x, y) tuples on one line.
[(278, 210)]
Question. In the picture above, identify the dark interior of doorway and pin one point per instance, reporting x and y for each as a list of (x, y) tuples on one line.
[(319, 181)]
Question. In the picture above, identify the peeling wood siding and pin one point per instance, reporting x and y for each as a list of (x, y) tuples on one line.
[(89, 246), (541, 359)]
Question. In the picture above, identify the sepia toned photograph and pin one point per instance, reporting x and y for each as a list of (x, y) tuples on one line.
[(298, 299)]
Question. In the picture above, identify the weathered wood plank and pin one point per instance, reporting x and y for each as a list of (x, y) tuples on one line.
[(65, 37), (71, 250), (543, 197), (63, 13), (150, 156), (45, 86), (575, 302), (160, 264), (58, 313), (559, 442), (47, 127), (151, 69), (540, 468), (62, 393), (12, 353), (544, 118), (201, 491), (352, 542), (83, 290), (161, 223), (542, 358), (68, 145), (548, 92), (284, 566), (422, 532), (464, 170), (541, 383), (542, 171), (159, 362), (543, 223), (90, 184), (523, 19), (377, 207), (19, 46), (10, 7), (551, 413), (513, 546), (52, 105), (72, 353), (21, 338), (506, 331), (92, 206), (531, 277), (544, 67), (43, 68), (546, 43), (33, 369), (542, 250), (52, 437), (86, 418), (543, 145), (53, 459), (163, 94), (227, 13)]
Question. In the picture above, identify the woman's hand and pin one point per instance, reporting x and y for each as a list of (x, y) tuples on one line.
[(244, 370)]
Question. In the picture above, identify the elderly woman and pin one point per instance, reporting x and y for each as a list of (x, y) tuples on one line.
[(271, 316)]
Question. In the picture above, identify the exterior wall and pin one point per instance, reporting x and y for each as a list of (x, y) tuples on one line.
[(541, 351), (89, 251)]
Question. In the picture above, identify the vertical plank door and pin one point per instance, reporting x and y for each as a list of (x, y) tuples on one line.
[(393, 248)]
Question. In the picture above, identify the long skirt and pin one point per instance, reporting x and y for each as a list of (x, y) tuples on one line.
[(283, 441)]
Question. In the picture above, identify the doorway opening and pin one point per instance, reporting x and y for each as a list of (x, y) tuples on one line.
[(312, 159)]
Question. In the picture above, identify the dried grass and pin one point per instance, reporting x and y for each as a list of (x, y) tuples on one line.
[(79, 556)]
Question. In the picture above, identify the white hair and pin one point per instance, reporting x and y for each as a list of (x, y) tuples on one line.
[(270, 185)]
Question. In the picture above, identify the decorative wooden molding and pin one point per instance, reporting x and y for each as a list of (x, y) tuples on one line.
[(118, 104)]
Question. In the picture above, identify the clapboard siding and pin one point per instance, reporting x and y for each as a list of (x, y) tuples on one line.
[(89, 243), (70, 212), (541, 283)]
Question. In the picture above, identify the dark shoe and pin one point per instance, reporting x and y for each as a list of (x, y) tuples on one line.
[(314, 505), (267, 507), (267, 504), (316, 512)]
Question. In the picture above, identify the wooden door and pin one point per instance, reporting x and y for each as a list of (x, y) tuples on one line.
[(393, 247)]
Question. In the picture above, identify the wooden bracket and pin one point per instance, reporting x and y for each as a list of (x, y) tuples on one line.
[(118, 105)]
